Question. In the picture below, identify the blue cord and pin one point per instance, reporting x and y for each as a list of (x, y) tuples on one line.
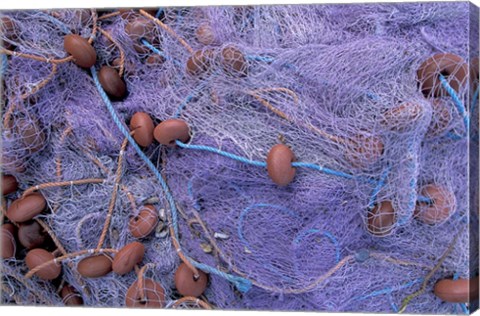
[(458, 104), (392, 303), (388, 290), (243, 285), (159, 52), (326, 234), (266, 59), (4, 65), (474, 101), (379, 186), (160, 10), (222, 153), (464, 308), (322, 169)]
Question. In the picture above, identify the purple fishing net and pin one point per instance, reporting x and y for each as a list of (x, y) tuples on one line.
[(338, 84)]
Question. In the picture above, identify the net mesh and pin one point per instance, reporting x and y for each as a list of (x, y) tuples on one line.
[(377, 102)]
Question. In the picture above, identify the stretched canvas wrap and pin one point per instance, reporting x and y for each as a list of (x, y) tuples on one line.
[(317, 157)]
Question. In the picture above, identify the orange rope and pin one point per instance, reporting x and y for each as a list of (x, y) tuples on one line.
[(65, 257), (109, 15), (42, 84), (60, 184), (140, 282), (168, 29), (113, 199), (192, 300), (58, 162), (63, 252), (286, 117), (117, 45)]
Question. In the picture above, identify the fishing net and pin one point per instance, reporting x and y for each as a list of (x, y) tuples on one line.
[(378, 104)]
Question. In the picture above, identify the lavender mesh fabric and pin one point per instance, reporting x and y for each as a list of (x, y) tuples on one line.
[(330, 81)]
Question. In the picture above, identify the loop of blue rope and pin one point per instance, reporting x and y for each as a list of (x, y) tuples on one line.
[(324, 233), (456, 100), (242, 285)]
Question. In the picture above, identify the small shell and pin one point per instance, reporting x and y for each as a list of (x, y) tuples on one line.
[(221, 236), (162, 230), (95, 266), (207, 248)]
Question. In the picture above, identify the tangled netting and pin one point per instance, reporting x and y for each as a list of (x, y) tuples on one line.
[(338, 84)]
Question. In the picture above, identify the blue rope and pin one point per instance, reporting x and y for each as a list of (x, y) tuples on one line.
[(474, 101), (464, 308), (392, 303), (65, 29), (159, 12), (159, 52), (266, 59), (264, 164), (424, 199), (242, 284), (455, 136), (326, 234), (222, 153), (379, 186), (458, 104), (322, 169), (4, 65), (388, 290)]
